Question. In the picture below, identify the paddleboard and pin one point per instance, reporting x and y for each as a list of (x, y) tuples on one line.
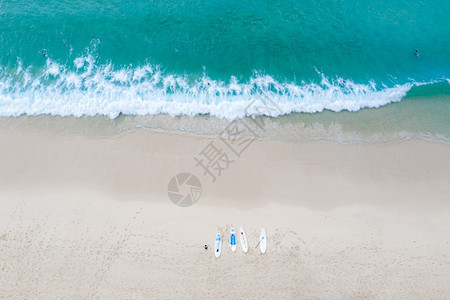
[(243, 240), (218, 245), (233, 239), (263, 241)]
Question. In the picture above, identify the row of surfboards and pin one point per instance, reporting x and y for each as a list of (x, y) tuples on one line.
[(243, 240)]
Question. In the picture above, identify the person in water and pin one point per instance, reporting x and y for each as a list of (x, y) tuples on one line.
[(43, 53), (416, 53)]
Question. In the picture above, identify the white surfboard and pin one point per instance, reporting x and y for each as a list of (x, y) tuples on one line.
[(218, 245), (263, 241), (243, 240), (233, 239)]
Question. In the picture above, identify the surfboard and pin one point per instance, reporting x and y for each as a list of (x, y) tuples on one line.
[(233, 239), (263, 241), (243, 240), (218, 245)]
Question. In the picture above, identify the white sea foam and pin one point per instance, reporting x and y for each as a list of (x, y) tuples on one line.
[(89, 89)]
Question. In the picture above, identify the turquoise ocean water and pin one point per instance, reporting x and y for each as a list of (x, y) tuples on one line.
[(326, 64)]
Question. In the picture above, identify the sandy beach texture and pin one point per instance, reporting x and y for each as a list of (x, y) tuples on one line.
[(85, 217)]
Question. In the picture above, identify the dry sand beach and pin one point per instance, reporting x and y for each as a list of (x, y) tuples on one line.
[(85, 217)]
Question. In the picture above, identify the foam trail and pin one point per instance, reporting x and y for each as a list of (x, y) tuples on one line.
[(89, 89)]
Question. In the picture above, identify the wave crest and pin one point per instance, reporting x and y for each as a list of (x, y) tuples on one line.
[(89, 89)]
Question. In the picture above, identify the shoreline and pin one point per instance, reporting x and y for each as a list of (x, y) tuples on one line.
[(86, 217), (413, 118), (143, 162)]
